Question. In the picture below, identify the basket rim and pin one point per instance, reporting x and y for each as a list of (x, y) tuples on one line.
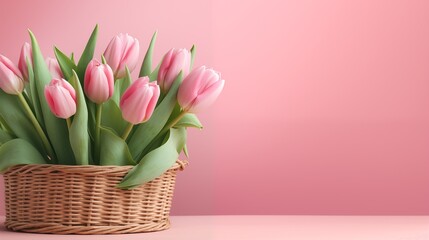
[(178, 165)]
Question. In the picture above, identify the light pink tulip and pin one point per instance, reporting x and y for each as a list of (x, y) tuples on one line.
[(199, 89), (123, 50), (26, 53), (174, 61), (54, 68), (10, 77), (99, 82), (61, 98), (139, 101)]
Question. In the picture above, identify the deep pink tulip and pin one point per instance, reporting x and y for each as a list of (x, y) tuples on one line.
[(99, 82), (26, 53), (10, 77), (139, 101), (54, 68), (123, 50), (174, 61), (199, 89), (61, 98)]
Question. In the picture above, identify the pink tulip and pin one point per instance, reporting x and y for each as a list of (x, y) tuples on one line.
[(26, 53), (139, 101), (174, 61), (54, 68), (123, 50), (10, 77), (199, 89), (99, 82), (61, 98)]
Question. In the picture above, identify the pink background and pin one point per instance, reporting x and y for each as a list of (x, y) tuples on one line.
[(326, 105)]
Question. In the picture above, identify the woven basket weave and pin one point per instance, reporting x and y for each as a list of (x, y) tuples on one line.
[(62, 199)]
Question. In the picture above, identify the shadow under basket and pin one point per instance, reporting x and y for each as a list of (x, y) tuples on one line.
[(61, 199)]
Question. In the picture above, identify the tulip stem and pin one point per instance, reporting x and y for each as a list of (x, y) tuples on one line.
[(39, 129), (97, 131), (172, 123), (127, 131), (68, 122)]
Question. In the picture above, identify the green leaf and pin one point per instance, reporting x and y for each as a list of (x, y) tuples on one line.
[(56, 128), (114, 150), (155, 163), (87, 55), (15, 118), (154, 75), (79, 138), (4, 126), (66, 64), (103, 59), (147, 131), (5, 136), (18, 151), (189, 120), (146, 67), (193, 53), (34, 95), (72, 58), (112, 117), (185, 150), (121, 85)]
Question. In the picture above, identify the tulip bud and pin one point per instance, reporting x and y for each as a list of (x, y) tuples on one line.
[(139, 101), (54, 68), (123, 50), (26, 53), (10, 77), (199, 89), (99, 82), (174, 61), (61, 98)]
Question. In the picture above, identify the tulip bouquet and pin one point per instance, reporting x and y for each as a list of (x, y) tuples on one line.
[(57, 111)]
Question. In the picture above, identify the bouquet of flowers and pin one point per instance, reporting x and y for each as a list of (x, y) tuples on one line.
[(57, 111)]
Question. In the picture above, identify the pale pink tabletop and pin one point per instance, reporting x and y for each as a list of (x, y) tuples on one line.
[(270, 227)]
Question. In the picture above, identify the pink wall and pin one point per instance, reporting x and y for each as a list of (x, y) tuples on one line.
[(326, 105)]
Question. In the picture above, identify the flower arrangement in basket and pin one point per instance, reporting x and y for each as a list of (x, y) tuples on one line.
[(85, 148)]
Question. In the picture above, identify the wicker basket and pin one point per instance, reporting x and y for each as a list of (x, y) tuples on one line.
[(62, 199)]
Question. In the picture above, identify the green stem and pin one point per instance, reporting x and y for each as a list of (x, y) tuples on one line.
[(68, 123), (99, 108), (39, 129), (172, 123), (127, 131)]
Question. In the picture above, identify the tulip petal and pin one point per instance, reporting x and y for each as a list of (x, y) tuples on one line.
[(200, 89), (207, 97), (9, 64), (165, 65), (113, 53), (9, 81), (98, 83), (135, 101), (131, 55), (26, 53), (152, 104), (188, 91), (146, 132)]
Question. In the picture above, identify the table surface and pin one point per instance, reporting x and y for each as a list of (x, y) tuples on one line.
[(269, 227)]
